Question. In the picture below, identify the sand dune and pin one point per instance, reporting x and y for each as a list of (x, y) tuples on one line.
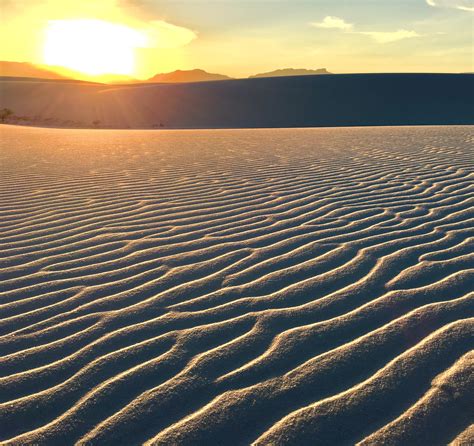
[(305, 286), (294, 101)]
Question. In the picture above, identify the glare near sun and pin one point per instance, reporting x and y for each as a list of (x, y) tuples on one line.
[(91, 46)]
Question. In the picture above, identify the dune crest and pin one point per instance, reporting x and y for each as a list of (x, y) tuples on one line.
[(328, 100)]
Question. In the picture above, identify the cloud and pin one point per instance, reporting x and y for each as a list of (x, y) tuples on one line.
[(462, 5), (331, 22), (160, 33), (389, 37)]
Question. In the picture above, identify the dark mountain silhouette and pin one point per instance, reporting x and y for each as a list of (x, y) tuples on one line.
[(291, 72), (297, 101), (43, 80), (28, 70), (25, 69), (198, 75), (187, 76)]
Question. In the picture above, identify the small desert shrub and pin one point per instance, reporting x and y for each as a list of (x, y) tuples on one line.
[(5, 113)]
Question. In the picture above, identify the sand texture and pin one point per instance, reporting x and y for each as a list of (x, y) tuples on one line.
[(230, 287)]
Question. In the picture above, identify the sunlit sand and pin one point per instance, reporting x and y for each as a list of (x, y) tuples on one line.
[(221, 287)]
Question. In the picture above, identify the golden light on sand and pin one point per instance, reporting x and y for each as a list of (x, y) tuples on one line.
[(91, 46)]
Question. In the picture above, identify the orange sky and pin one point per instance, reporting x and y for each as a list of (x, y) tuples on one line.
[(139, 38)]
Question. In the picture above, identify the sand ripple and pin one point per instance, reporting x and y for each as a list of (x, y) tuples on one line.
[(237, 286)]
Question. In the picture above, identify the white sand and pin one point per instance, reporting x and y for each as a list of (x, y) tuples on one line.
[(236, 286)]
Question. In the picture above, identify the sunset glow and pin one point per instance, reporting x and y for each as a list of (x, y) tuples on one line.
[(93, 47), (106, 40)]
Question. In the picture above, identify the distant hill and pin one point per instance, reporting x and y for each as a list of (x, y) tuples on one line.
[(28, 70), (291, 72), (202, 76), (297, 101), (44, 80), (188, 76), (25, 69)]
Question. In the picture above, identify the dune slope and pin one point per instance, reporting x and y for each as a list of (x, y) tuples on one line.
[(293, 101), (237, 286)]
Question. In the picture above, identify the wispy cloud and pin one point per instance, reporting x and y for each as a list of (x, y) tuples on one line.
[(463, 5), (389, 37), (331, 22)]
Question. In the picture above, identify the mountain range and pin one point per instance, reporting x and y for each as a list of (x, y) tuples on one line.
[(291, 72), (188, 76), (24, 69)]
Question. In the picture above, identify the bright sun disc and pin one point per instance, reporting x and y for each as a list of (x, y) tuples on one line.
[(93, 47)]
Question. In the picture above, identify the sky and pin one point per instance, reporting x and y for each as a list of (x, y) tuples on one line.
[(140, 38)]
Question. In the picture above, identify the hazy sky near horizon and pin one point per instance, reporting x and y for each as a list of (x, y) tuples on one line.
[(240, 38)]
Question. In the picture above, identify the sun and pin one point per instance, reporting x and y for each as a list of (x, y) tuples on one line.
[(93, 47)]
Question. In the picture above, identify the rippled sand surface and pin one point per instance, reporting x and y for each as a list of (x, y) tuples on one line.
[(234, 286)]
